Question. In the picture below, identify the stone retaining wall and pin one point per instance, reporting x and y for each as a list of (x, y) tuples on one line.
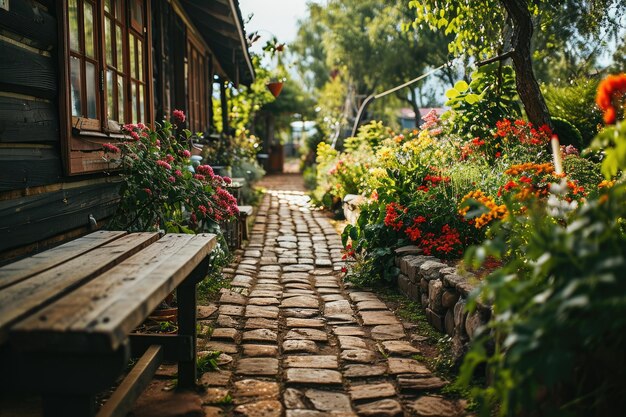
[(442, 291)]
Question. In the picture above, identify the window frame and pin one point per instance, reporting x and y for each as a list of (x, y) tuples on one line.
[(82, 138)]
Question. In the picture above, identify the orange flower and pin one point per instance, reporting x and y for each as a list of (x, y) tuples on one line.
[(610, 91)]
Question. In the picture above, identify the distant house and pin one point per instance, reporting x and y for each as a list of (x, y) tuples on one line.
[(406, 116), (72, 72)]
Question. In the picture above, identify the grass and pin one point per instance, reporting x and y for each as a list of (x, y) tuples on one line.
[(208, 362)]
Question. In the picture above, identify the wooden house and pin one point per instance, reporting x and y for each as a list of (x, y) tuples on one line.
[(72, 72)]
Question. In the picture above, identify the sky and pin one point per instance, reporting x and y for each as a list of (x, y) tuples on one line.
[(278, 17)]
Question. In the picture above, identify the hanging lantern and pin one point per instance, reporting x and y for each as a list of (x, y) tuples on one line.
[(275, 87)]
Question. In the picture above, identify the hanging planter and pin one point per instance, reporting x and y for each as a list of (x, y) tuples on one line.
[(275, 87)]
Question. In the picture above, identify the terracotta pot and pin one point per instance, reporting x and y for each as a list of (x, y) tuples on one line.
[(275, 88), (164, 314)]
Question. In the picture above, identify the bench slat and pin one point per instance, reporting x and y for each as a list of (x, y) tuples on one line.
[(98, 316), (37, 291), (20, 270), (122, 400)]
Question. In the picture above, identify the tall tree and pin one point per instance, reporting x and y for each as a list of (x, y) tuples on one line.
[(502, 29)]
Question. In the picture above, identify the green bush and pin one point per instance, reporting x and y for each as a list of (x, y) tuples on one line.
[(568, 133), (586, 172), (576, 103)]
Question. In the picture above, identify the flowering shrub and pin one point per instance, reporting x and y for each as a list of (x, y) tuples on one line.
[(159, 191), (559, 311)]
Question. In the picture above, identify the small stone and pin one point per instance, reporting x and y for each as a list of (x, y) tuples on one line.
[(222, 360), (224, 333), (426, 383), (328, 401), (371, 305), (257, 366), (406, 366), (323, 262), (372, 318), (337, 307), (265, 408), (264, 301), (358, 355), (293, 399), (260, 335), (221, 347), (252, 389), (260, 350), (359, 296), (388, 332), (436, 406), (306, 334), (204, 312), (361, 371), (312, 361), (401, 348), (307, 346), (266, 312), (215, 378), (372, 391), (348, 331), (266, 293), (167, 371), (312, 376), (296, 322), (449, 299), (213, 412), (351, 342), (301, 313), (261, 323), (382, 408), (214, 395), (300, 301), (226, 321), (232, 297), (231, 310)]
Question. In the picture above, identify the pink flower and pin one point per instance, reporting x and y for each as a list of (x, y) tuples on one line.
[(203, 209), (185, 153), (163, 164), (148, 191), (206, 170), (141, 126), (179, 116), (227, 180), (134, 135), (171, 179), (158, 143), (178, 173), (129, 127), (109, 147), (199, 177), (169, 158)]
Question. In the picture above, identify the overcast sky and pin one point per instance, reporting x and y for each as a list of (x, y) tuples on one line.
[(278, 17)]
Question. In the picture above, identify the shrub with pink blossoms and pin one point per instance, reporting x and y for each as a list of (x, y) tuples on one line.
[(159, 191)]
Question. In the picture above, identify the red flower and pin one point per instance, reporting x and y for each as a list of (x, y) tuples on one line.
[(163, 164), (185, 153), (109, 147), (179, 116), (611, 90)]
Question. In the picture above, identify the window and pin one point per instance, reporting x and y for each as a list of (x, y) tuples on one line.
[(107, 64), (197, 76)]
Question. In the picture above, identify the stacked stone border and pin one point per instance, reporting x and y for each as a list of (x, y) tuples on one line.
[(442, 291)]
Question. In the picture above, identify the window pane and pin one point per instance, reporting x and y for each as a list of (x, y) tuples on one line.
[(140, 60), (136, 13), (90, 88), (108, 39), (89, 46), (72, 11), (76, 86), (134, 101), (110, 96), (141, 105), (118, 46), (107, 6), (118, 9), (131, 52), (121, 94)]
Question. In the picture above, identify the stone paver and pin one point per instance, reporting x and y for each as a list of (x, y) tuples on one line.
[(298, 342)]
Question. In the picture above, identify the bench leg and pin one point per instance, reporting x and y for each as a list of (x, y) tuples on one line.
[(186, 296), (69, 405)]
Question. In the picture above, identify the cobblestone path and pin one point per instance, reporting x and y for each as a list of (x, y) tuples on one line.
[(297, 342)]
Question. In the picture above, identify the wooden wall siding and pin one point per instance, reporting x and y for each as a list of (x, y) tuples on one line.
[(29, 166), (26, 120), (33, 218), (25, 71), (29, 23)]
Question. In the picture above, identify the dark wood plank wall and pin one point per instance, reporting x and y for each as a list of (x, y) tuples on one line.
[(29, 125)]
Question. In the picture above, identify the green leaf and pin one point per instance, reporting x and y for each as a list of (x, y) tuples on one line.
[(472, 98), (452, 93), (461, 86)]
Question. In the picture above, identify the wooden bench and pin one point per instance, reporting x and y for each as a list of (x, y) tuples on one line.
[(67, 317)]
